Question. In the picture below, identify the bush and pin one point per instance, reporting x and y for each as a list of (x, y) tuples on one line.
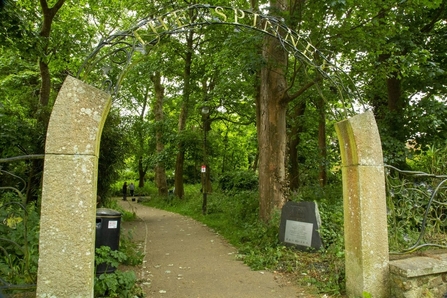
[(235, 216), (19, 230), (239, 180), (116, 284)]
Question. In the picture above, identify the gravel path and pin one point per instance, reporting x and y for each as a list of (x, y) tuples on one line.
[(184, 258)]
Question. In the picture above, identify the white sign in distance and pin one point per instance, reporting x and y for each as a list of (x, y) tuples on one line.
[(113, 224), (299, 233)]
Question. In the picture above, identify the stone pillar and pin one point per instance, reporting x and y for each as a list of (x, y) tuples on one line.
[(68, 215), (364, 200)]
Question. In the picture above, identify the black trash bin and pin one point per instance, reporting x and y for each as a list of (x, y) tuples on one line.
[(108, 222)]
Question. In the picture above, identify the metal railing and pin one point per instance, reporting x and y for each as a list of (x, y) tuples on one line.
[(417, 210), (15, 252)]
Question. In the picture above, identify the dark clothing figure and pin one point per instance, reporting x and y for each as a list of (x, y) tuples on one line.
[(125, 191), (131, 189)]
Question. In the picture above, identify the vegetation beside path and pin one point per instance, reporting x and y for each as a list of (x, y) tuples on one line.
[(234, 215)]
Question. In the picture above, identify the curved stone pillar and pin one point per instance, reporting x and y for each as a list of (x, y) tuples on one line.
[(68, 214), (364, 200)]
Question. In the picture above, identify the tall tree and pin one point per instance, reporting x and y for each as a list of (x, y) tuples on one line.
[(179, 163), (48, 14), (294, 139), (272, 106), (271, 110), (160, 173)]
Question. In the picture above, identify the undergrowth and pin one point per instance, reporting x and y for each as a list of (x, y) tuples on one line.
[(19, 239), (234, 215)]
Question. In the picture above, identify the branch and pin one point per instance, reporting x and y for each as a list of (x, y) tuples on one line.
[(44, 5), (23, 157), (428, 27), (231, 121), (288, 98), (57, 6)]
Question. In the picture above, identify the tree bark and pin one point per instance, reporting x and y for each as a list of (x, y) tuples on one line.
[(45, 31), (271, 128), (322, 149), (160, 173), (36, 166), (294, 141), (142, 168), (178, 183), (141, 172)]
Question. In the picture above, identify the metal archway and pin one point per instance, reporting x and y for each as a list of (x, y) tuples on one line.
[(72, 147), (120, 49)]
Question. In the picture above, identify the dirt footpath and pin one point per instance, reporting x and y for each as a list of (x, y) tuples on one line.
[(184, 258)]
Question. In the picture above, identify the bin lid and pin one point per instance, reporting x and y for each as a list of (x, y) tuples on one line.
[(107, 212)]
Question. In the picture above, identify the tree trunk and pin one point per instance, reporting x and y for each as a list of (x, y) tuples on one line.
[(45, 30), (45, 87), (294, 141), (142, 169), (160, 173), (141, 172), (389, 106), (178, 183), (396, 107), (322, 175), (271, 128), (35, 173)]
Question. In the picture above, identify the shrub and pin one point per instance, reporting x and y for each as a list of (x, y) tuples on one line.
[(239, 180), (116, 284), (19, 230)]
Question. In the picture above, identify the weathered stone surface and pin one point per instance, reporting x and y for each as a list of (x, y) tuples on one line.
[(419, 276), (365, 222), (77, 119), (361, 141), (300, 223), (419, 266), (67, 227)]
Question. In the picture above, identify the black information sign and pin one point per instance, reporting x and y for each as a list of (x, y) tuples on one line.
[(300, 222)]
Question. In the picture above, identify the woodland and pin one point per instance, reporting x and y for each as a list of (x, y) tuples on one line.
[(227, 99)]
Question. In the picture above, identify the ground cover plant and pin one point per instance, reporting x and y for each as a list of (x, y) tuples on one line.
[(416, 201), (19, 230), (392, 53), (117, 283), (234, 215), (19, 241)]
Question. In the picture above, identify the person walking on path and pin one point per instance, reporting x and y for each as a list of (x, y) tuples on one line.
[(125, 191), (131, 189)]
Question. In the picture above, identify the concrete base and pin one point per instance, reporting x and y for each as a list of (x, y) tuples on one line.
[(419, 276)]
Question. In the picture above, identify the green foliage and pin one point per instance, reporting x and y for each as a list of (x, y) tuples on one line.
[(148, 189), (326, 270), (19, 240), (238, 181), (234, 215), (131, 249), (113, 152), (117, 283), (428, 124), (105, 255), (415, 204), (433, 160), (372, 41)]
